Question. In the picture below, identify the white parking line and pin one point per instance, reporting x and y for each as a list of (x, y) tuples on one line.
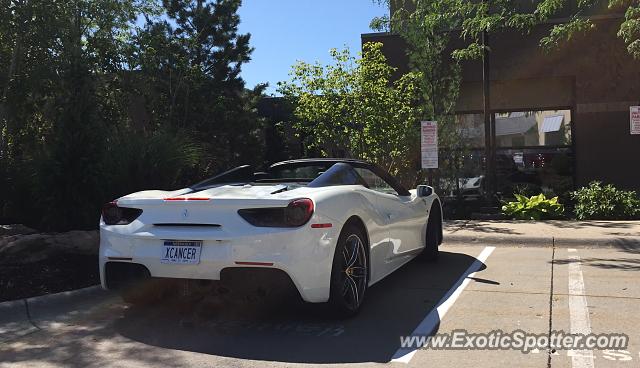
[(578, 312), (429, 323)]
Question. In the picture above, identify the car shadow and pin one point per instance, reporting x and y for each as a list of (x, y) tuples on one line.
[(288, 331)]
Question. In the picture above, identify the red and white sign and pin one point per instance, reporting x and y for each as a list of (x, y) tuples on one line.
[(429, 144), (634, 119)]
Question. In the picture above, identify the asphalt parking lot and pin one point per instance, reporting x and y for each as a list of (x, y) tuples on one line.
[(474, 288)]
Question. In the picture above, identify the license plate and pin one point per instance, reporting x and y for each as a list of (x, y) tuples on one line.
[(181, 251)]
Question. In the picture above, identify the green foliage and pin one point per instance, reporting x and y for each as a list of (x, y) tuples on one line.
[(630, 28), (605, 202), (351, 108), (163, 160), (68, 168), (526, 189), (94, 105), (565, 31), (190, 78), (474, 17), (424, 28), (64, 186), (537, 207)]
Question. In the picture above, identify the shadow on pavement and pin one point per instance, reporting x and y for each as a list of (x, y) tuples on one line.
[(288, 331), (623, 264), (627, 246), (453, 227), (593, 223)]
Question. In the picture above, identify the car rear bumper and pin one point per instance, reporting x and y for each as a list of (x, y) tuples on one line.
[(305, 254)]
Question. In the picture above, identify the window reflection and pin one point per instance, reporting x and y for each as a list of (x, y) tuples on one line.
[(533, 154), (533, 128)]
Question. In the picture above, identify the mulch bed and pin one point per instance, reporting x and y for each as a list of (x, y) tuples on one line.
[(57, 273)]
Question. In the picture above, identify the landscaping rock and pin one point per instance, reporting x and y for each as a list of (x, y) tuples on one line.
[(15, 229), (29, 248), (34, 264)]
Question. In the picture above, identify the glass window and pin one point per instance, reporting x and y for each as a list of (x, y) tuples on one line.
[(465, 175), (532, 171), (533, 128), (471, 129), (533, 155), (338, 174), (374, 182), (308, 172)]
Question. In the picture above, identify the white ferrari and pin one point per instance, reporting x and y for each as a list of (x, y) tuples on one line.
[(332, 227)]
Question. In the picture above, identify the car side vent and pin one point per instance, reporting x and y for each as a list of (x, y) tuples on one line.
[(182, 224)]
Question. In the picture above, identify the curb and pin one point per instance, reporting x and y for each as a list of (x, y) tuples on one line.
[(23, 316), (542, 241), (50, 306), (13, 319)]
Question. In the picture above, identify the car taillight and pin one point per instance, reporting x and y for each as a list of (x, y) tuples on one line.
[(112, 214), (297, 213)]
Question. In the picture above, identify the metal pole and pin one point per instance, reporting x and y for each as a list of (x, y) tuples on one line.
[(488, 132)]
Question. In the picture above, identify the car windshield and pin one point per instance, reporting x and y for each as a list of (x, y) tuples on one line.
[(316, 174), (338, 174), (302, 173)]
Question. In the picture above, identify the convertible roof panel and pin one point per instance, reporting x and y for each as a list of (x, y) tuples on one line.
[(323, 161)]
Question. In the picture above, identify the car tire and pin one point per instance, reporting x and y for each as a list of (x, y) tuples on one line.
[(349, 272), (431, 252)]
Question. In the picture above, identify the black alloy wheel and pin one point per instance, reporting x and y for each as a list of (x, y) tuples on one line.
[(350, 272)]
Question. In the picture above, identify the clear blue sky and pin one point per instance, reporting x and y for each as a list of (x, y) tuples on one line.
[(283, 31)]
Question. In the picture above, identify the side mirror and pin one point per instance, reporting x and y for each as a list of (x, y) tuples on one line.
[(424, 190)]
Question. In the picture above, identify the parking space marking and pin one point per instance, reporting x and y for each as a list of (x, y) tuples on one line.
[(429, 323), (578, 312)]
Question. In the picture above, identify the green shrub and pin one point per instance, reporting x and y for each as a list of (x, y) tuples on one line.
[(526, 189), (605, 202), (72, 181), (161, 160), (536, 207)]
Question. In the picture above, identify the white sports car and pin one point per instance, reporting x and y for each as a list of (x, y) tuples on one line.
[(334, 227)]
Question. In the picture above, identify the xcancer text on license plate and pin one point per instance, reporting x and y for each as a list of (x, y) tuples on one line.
[(181, 251)]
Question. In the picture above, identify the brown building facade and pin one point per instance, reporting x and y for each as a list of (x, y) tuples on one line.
[(573, 101)]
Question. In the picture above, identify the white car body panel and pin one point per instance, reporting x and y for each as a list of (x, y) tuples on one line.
[(395, 227)]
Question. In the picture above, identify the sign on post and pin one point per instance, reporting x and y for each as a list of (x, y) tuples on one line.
[(634, 119), (429, 144)]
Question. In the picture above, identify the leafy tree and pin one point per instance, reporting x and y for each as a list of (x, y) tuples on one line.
[(352, 108), (52, 119), (425, 30), (94, 106), (193, 60), (474, 17), (40, 41), (630, 27)]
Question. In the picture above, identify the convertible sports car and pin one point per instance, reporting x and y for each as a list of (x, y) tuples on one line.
[(333, 227)]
